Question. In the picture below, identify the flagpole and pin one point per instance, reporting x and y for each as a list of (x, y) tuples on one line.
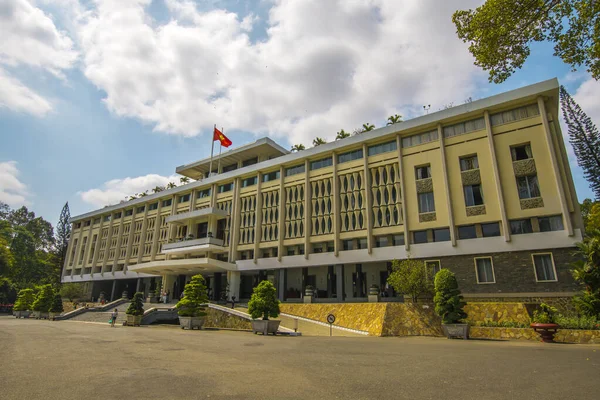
[(212, 146), (220, 147)]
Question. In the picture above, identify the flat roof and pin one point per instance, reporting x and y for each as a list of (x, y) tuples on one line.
[(264, 147), (531, 92)]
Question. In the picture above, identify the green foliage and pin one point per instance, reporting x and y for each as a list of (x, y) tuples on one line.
[(367, 127), (545, 315), (500, 33), (410, 277), (264, 302), (587, 273), (8, 291), (43, 299), (57, 304), (448, 300), (582, 322), (72, 291), (298, 147), (318, 141), (342, 134), (195, 298), (63, 234), (394, 119), (24, 300), (136, 307)]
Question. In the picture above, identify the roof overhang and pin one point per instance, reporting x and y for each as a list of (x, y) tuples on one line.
[(196, 215), (187, 266)]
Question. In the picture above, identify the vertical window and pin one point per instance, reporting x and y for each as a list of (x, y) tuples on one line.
[(485, 270), (140, 210), (544, 267), (490, 229), (441, 235), (521, 152), (184, 199), (153, 206), (362, 243), (426, 202), (381, 241), (420, 237), (433, 267), (167, 203), (473, 195), (528, 187), (467, 232), (469, 163), (520, 226), (554, 223), (423, 172), (398, 240), (347, 244)]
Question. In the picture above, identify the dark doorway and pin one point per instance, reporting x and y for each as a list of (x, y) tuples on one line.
[(178, 287), (221, 225), (202, 230)]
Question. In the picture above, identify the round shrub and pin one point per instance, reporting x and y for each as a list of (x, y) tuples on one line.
[(24, 300), (448, 301), (137, 305), (264, 302), (43, 300), (195, 298)]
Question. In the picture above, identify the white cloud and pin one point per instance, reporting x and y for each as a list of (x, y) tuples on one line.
[(12, 191), (115, 190), (30, 38), (587, 96), (323, 65)]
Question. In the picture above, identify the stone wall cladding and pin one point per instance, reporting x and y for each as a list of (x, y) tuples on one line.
[(475, 210), (562, 336), (535, 202), (221, 319), (564, 305), (424, 185), (524, 167), (470, 177), (409, 319), (427, 217), (514, 273), (497, 312)]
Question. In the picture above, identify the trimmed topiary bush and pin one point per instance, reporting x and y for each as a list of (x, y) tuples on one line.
[(545, 315), (43, 300), (57, 304), (137, 305), (448, 301), (264, 302), (24, 300), (195, 298)]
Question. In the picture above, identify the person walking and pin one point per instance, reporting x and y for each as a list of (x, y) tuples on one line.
[(113, 318)]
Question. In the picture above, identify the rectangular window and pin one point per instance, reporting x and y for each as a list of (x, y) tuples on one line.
[(167, 203), (348, 244), (433, 267), (423, 172), (485, 270), (382, 148), (441, 235), (554, 223), (362, 243), (350, 156), (153, 206), (491, 229), (291, 251), (271, 176), (231, 167), (325, 162), (469, 163), (249, 181), (473, 195), (203, 193), (528, 187), (514, 115), (398, 240), (381, 241), (185, 198), (251, 161), (106, 218), (522, 152), (420, 237), (421, 138), (426, 202), (520, 226), (129, 213), (88, 223), (301, 249), (96, 221), (467, 232), (226, 187), (464, 127), (140, 210), (544, 267), (116, 216), (298, 169)]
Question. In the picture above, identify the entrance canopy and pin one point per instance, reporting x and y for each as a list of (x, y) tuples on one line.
[(188, 266)]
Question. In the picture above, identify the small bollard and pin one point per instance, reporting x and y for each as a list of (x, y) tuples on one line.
[(295, 324)]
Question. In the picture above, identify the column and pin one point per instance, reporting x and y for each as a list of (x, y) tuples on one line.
[(97, 247), (234, 280), (490, 136), (307, 210), (156, 231), (258, 211), (234, 222), (172, 228), (339, 279), (446, 186), (336, 207), (369, 200), (281, 216), (112, 292), (142, 242), (359, 281), (330, 287), (282, 284), (217, 287), (130, 239), (108, 241), (403, 194), (137, 284), (86, 251)]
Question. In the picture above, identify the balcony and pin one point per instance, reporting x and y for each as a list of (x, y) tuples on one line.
[(195, 245), (186, 217)]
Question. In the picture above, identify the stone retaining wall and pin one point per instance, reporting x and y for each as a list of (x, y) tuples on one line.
[(562, 336), (220, 319), (498, 312)]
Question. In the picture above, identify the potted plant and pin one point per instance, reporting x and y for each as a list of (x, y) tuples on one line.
[(264, 303), (544, 322), (22, 306), (309, 292), (43, 301), (56, 308), (135, 311), (449, 305), (192, 308)]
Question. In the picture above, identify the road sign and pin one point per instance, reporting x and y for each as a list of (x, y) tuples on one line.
[(331, 318)]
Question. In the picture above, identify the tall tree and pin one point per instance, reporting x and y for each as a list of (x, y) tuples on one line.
[(318, 141), (342, 134), (298, 147), (394, 119), (585, 139), (500, 33), (63, 234)]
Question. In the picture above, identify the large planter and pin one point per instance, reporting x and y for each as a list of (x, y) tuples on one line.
[(134, 320), (456, 331), (40, 315), (546, 331), (191, 322), (265, 326), (53, 315), (22, 314)]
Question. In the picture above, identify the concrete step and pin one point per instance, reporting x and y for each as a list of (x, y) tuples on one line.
[(104, 316)]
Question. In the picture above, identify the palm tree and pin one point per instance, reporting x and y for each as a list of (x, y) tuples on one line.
[(158, 189), (133, 197), (171, 185), (394, 119), (143, 194), (318, 141), (342, 135), (368, 127), (184, 180), (298, 147)]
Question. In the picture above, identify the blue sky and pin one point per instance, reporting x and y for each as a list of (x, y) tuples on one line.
[(104, 98)]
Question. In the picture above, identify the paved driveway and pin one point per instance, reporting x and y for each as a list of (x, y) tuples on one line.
[(76, 360)]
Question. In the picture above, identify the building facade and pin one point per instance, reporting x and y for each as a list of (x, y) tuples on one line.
[(483, 189)]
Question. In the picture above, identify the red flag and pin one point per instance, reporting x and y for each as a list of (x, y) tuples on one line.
[(218, 135)]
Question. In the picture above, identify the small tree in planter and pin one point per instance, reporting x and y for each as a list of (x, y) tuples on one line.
[(43, 301), (449, 305), (410, 277), (544, 322), (22, 307), (56, 308), (264, 303), (135, 311), (192, 308)]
